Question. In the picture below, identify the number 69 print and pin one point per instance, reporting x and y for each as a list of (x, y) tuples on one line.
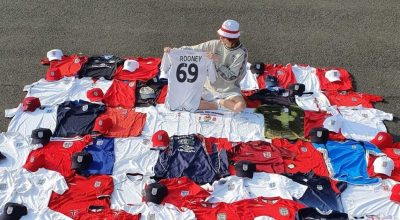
[(181, 74)]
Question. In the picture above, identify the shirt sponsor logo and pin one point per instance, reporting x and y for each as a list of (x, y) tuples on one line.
[(283, 211), (99, 142), (186, 148)]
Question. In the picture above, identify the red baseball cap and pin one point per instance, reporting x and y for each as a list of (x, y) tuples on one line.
[(160, 139), (30, 104), (383, 140), (53, 75), (103, 124), (395, 196), (95, 94)]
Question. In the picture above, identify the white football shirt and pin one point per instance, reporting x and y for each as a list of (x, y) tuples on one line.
[(152, 211), (211, 123), (50, 92), (246, 126), (15, 148), (371, 199), (229, 189), (128, 189), (34, 189), (26, 122), (45, 214), (274, 185), (308, 76), (249, 82), (187, 72), (313, 102), (79, 87), (134, 155), (357, 123)]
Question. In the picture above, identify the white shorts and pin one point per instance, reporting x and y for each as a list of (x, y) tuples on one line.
[(209, 96)]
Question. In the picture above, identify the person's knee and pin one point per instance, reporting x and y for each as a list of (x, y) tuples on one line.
[(239, 106)]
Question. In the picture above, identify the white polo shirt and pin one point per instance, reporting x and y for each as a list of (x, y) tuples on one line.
[(15, 148), (152, 211), (25, 122), (134, 155)]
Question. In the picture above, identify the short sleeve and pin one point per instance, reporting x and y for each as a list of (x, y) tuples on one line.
[(165, 64), (372, 149), (34, 161), (59, 185), (9, 113), (296, 190), (107, 187)]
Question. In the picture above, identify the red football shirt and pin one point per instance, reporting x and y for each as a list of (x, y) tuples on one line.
[(163, 94), (183, 189), (220, 143), (68, 65), (125, 122), (284, 75), (316, 120), (352, 98), (56, 155), (267, 158), (344, 84), (107, 214), (276, 208), (148, 69), (121, 94), (213, 211), (82, 193)]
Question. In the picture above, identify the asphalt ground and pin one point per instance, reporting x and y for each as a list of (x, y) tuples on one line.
[(359, 35)]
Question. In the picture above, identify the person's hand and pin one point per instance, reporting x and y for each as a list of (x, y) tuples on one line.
[(213, 56), (167, 49)]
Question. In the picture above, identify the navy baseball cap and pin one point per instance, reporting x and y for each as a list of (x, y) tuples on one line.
[(319, 135), (81, 160), (245, 169), (297, 89), (41, 136), (13, 211), (257, 67), (155, 192)]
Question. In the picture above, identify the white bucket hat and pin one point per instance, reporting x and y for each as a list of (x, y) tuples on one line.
[(229, 29), (130, 65), (333, 75), (55, 54)]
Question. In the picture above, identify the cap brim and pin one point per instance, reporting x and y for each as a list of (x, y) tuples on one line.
[(228, 35), (2, 157), (37, 141), (333, 79)]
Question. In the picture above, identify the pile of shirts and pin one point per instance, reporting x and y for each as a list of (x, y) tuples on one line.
[(93, 139)]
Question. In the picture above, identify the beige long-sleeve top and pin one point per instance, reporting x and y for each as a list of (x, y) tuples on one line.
[(231, 65)]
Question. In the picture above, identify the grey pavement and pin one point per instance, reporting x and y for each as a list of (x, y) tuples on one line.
[(359, 35)]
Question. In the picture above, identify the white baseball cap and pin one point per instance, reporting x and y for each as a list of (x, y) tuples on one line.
[(229, 29), (384, 165), (333, 75), (130, 65), (55, 54)]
